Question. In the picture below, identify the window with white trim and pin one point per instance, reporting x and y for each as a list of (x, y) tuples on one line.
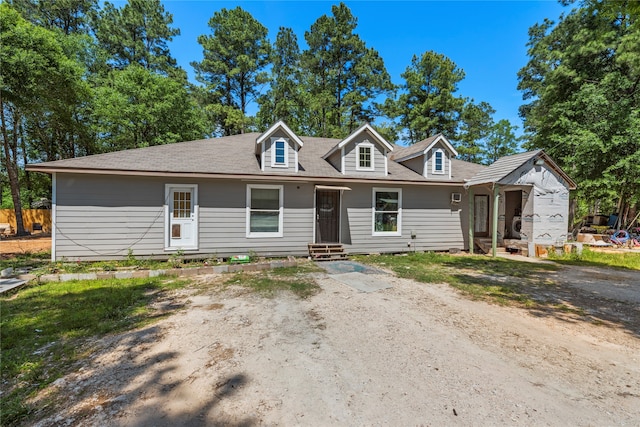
[(279, 154), (264, 210), (387, 212), (437, 161), (365, 156)]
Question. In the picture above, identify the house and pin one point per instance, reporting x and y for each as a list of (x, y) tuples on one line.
[(275, 193)]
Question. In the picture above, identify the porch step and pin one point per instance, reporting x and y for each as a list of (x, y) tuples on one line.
[(326, 251), (485, 245)]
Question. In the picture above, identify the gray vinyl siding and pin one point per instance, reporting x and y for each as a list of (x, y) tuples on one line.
[(351, 157), (103, 216), (291, 154), (429, 164), (426, 211), (416, 164)]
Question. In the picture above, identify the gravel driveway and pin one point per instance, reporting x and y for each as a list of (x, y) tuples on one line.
[(411, 354)]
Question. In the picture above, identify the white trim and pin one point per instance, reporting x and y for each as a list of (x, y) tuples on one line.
[(283, 126), (433, 161), (295, 151), (398, 232), (355, 133), (278, 233), (445, 141), (386, 163), (449, 157), (263, 156), (167, 220), (54, 216), (315, 213), (371, 147), (342, 161), (274, 141)]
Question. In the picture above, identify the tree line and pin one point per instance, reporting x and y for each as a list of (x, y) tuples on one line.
[(81, 77)]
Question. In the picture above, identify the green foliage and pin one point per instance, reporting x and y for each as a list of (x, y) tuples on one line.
[(342, 76), (501, 141), (286, 99), (40, 86), (135, 107), (427, 104), (69, 16), (627, 260), (43, 328), (235, 56), (475, 125), (137, 33), (581, 83)]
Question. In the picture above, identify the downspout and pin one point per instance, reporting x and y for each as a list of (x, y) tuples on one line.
[(494, 231), (471, 220)]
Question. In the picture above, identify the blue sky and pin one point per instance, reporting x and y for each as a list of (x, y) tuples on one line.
[(487, 39)]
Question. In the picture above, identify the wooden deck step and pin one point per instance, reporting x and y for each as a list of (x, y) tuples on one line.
[(326, 251), (485, 245)]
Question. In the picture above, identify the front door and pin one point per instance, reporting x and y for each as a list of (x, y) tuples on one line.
[(182, 218), (481, 215), (327, 216)]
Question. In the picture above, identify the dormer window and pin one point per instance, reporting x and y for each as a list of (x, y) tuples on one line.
[(438, 161), (279, 154), (365, 157)]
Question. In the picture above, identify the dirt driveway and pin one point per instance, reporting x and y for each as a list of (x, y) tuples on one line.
[(412, 354)]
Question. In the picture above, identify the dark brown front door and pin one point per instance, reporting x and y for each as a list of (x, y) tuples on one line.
[(327, 217)]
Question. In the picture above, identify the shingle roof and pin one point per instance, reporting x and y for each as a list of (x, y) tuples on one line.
[(234, 155), (414, 149), (501, 168)]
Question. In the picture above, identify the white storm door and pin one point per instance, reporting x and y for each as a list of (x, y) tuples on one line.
[(182, 227)]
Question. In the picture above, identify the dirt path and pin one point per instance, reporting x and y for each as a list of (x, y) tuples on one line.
[(412, 354)]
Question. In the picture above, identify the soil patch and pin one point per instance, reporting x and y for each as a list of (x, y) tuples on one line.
[(24, 245), (412, 354)]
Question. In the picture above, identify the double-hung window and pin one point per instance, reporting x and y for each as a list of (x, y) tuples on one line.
[(438, 161), (387, 212), (264, 210), (364, 162), (279, 154)]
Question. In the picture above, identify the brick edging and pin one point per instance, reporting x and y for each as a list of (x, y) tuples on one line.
[(133, 274)]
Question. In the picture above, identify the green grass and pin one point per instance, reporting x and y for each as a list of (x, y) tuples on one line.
[(627, 260), (270, 282), (32, 260), (480, 277), (43, 329)]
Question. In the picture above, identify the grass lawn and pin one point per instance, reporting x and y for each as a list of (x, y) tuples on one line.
[(627, 260), (495, 279), (269, 282), (44, 328)]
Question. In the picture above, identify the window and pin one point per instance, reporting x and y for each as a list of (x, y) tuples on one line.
[(279, 153), (365, 156), (264, 210), (387, 212), (438, 161)]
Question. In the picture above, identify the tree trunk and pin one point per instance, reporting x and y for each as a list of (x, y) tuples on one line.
[(12, 170)]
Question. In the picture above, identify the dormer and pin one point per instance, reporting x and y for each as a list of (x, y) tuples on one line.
[(364, 152), (430, 157), (278, 149)]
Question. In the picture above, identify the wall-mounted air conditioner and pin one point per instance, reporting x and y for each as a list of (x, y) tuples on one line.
[(456, 197)]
